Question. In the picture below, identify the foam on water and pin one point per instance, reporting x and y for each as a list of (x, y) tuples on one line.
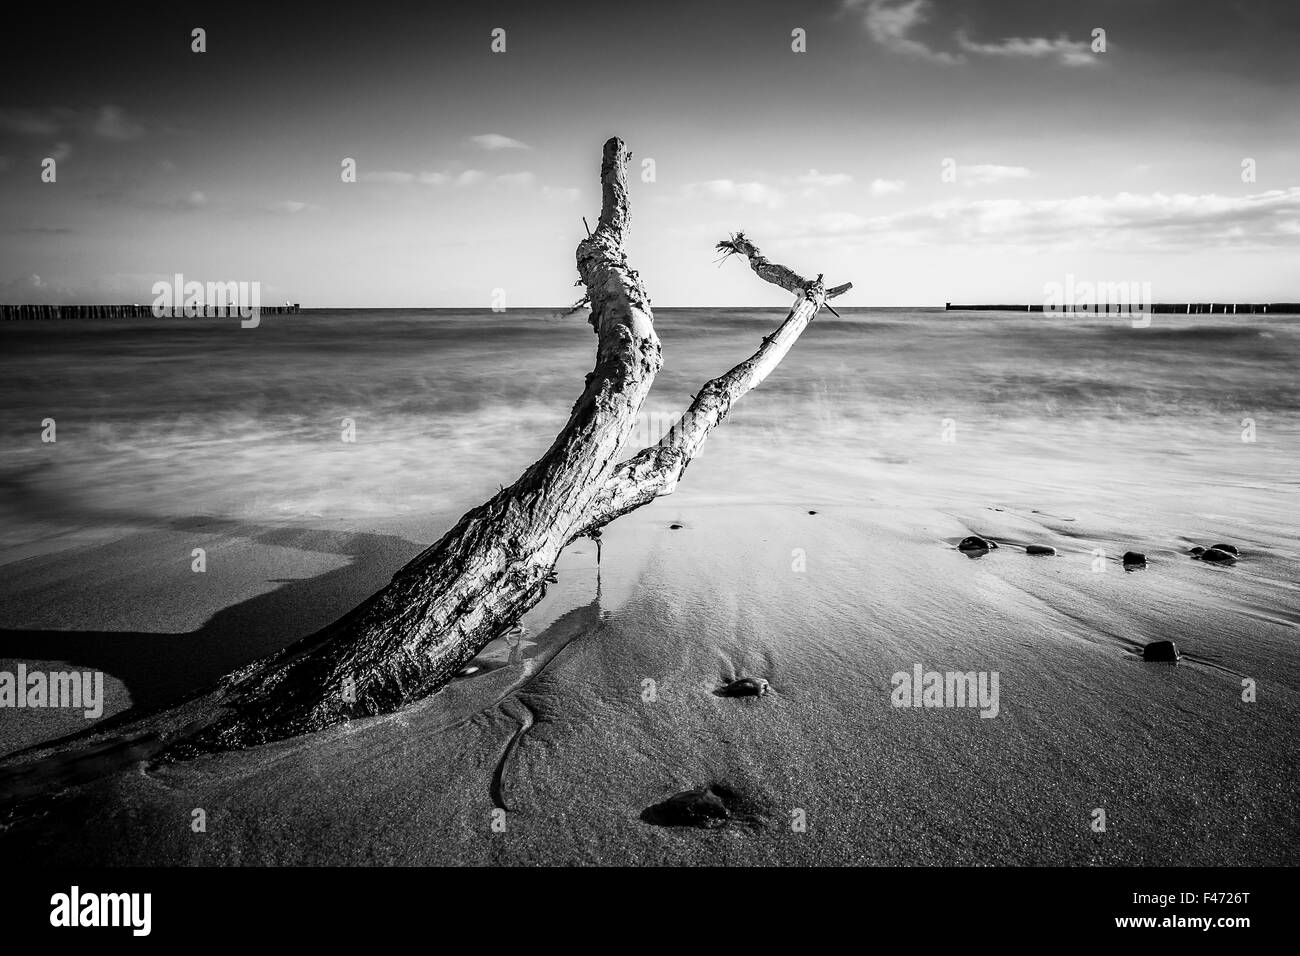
[(182, 417)]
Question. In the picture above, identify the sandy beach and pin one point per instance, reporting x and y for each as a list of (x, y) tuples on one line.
[(815, 548)]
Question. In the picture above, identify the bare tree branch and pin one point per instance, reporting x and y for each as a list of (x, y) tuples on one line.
[(655, 471), (444, 606)]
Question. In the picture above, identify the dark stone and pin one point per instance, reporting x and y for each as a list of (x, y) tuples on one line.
[(812, 512), (702, 808), (675, 527), (1134, 559), (1216, 556), (745, 687), (1162, 651), (975, 543), (1039, 549), (1230, 548), (1196, 552)]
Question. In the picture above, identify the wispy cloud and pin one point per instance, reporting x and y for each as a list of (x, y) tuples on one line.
[(814, 178), (390, 177), (891, 22), (1149, 221), (803, 186), (467, 177), (893, 25), (515, 179), (1066, 51), (728, 190), (561, 194), (26, 289), (112, 123), (107, 122), (983, 173), (495, 141), (48, 289), (459, 179), (399, 177), (28, 123), (291, 206)]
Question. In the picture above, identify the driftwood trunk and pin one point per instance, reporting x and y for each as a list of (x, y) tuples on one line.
[(443, 607)]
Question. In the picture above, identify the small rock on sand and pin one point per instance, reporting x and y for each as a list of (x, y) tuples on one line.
[(1216, 555), (1230, 548), (746, 687), (975, 543), (675, 527), (1162, 651), (1133, 560), (1039, 549), (1196, 552), (702, 808)]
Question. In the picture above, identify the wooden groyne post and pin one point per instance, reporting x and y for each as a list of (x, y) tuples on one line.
[(1180, 308), (18, 313)]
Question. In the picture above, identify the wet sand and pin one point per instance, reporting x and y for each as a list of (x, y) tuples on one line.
[(557, 729)]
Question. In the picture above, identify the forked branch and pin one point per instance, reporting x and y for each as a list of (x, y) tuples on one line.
[(655, 471)]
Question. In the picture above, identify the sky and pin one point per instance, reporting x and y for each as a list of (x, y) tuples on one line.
[(926, 150)]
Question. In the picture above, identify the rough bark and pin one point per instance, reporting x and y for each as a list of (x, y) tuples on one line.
[(443, 607)]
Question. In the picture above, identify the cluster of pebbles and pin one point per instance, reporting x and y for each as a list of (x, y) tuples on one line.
[(1215, 554), (1158, 651), (976, 545)]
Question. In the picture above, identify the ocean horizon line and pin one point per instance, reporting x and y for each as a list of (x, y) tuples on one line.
[(1221, 307)]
